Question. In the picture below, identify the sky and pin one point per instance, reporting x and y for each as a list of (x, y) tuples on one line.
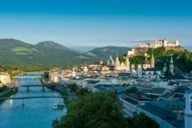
[(94, 23)]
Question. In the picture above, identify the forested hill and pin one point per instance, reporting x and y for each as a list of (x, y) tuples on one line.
[(105, 52), (16, 52), (182, 59)]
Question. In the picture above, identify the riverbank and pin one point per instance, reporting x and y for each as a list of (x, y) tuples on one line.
[(7, 93), (62, 90)]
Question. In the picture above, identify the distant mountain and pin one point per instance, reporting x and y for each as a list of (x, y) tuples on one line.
[(105, 52), (51, 44), (16, 52), (82, 49)]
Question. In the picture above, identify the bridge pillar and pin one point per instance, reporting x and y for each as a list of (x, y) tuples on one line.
[(43, 89), (23, 104), (27, 89)]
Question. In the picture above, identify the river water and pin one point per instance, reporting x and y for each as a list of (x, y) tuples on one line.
[(35, 113)]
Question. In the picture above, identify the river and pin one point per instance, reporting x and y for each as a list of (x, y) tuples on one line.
[(35, 113)]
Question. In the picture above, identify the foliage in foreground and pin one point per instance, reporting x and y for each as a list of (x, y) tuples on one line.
[(100, 110), (77, 90)]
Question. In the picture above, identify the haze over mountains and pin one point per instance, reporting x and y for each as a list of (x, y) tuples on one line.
[(16, 52)]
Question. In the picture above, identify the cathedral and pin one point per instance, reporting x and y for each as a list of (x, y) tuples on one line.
[(118, 65), (122, 66), (126, 65)]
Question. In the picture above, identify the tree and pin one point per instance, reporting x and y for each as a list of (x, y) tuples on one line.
[(94, 110), (132, 90), (74, 87), (142, 121), (46, 76), (82, 91), (101, 110)]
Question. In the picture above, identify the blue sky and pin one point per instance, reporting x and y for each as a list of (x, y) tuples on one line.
[(96, 22)]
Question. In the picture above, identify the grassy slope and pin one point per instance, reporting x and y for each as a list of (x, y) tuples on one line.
[(15, 52)]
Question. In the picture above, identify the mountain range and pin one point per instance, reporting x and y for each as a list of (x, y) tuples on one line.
[(50, 53), (103, 53)]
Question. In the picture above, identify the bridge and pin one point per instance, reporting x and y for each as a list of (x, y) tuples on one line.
[(33, 86), (31, 97), (26, 86), (27, 77)]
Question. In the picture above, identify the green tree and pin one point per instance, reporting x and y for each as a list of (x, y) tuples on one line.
[(74, 87), (94, 110), (132, 90), (142, 121), (101, 110)]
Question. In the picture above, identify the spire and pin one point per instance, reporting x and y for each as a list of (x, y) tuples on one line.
[(165, 68), (171, 61), (112, 61), (108, 62), (171, 66), (127, 63), (152, 61), (146, 60)]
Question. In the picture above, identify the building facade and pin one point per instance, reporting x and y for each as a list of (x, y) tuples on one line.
[(4, 78), (122, 66)]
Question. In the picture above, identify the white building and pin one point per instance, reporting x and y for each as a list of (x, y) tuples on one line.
[(54, 76), (160, 43), (4, 78), (131, 53), (153, 109), (188, 109), (122, 66)]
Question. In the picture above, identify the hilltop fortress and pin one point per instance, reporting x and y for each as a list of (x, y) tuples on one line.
[(142, 50), (143, 47), (160, 43)]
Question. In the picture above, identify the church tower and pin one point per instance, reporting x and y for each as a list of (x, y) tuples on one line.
[(152, 62), (164, 68), (108, 62), (112, 61), (171, 66), (73, 74), (127, 63), (117, 63), (188, 109)]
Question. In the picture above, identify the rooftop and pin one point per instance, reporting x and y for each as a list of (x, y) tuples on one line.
[(166, 110), (134, 98)]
